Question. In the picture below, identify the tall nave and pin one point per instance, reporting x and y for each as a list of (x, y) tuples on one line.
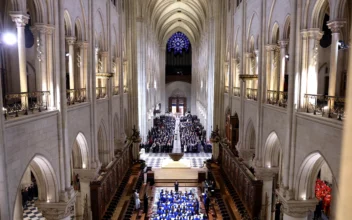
[(175, 109)]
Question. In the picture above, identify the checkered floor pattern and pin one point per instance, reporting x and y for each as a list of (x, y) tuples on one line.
[(32, 213), (156, 159)]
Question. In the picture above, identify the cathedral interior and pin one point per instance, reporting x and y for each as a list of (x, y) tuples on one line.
[(175, 109)]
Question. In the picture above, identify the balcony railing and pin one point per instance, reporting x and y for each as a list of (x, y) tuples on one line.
[(275, 98), (327, 106), (23, 103), (116, 90), (237, 91), (101, 92), (76, 96), (252, 94), (226, 89)]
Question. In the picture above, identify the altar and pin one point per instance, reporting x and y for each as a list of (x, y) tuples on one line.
[(181, 171)]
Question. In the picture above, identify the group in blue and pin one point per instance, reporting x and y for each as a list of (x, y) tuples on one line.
[(177, 206)]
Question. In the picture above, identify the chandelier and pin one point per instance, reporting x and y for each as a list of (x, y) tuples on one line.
[(178, 41)]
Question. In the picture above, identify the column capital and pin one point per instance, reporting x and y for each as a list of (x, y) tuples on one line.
[(283, 43), (265, 173), (86, 175), (335, 26), (20, 19), (71, 40), (249, 54), (104, 53), (304, 33), (270, 47), (43, 28), (256, 53), (56, 211), (315, 33), (297, 208), (82, 44)]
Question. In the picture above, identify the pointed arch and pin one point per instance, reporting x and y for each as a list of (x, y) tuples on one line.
[(80, 152), (103, 147), (250, 136), (275, 33), (319, 11), (307, 175), (287, 27), (78, 30), (45, 177), (68, 24), (272, 151)]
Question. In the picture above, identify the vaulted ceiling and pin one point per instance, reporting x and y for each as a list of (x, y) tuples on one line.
[(170, 16)]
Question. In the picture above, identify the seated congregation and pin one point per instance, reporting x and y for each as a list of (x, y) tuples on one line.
[(191, 133), (161, 136), (177, 205)]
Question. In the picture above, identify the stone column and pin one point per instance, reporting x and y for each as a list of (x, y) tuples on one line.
[(71, 42), (255, 64), (248, 71), (21, 21), (42, 57), (283, 52), (335, 27), (305, 64), (86, 176), (104, 59), (234, 74), (267, 176), (344, 205), (18, 210), (274, 68), (314, 36), (269, 56), (50, 65), (83, 62)]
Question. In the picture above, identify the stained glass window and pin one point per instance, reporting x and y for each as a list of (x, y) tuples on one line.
[(178, 41)]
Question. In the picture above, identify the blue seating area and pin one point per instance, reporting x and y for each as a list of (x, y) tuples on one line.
[(177, 206)]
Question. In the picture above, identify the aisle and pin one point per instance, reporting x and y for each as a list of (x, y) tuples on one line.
[(177, 138)]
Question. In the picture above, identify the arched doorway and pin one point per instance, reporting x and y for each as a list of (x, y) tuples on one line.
[(272, 160), (79, 161), (38, 185), (103, 149), (316, 181)]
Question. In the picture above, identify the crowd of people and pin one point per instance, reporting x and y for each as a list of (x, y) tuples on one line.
[(191, 133), (29, 194), (177, 205), (161, 136)]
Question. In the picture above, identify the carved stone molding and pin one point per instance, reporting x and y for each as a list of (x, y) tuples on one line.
[(20, 19), (56, 211), (104, 53), (292, 207), (283, 43), (270, 47), (86, 175), (245, 77), (335, 26), (71, 40), (104, 75), (315, 33), (82, 44), (265, 174)]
